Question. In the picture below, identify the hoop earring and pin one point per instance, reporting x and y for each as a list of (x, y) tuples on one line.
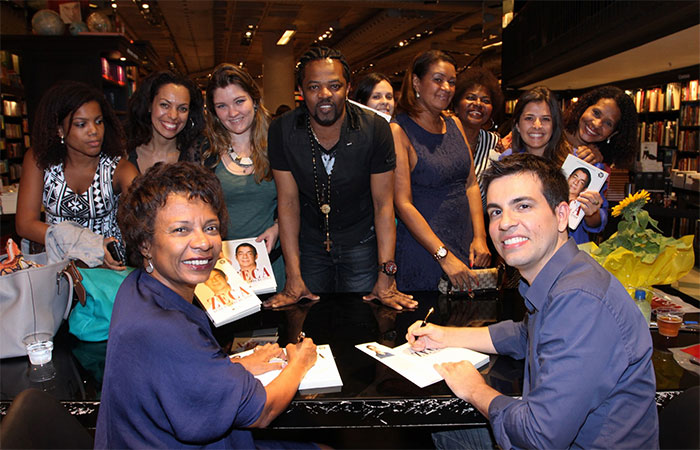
[(191, 122), (493, 124), (608, 141), (149, 266)]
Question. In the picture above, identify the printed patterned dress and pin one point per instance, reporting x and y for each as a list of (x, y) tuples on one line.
[(95, 209)]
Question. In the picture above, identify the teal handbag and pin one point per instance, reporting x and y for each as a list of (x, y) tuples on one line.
[(90, 322)]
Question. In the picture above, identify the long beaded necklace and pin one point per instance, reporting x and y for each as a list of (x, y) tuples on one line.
[(326, 206)]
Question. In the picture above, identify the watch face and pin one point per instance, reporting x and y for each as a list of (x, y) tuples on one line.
[(390, 268), (441, 252)]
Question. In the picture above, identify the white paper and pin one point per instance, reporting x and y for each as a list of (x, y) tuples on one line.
[(324, 374), (418, 366)]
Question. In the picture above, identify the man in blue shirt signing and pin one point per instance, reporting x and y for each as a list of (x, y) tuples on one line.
[(589, 381)]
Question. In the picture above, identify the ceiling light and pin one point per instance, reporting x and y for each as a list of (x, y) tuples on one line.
[(320, 38), (114, 5), (284, 40), (123, 58), (92, 5), (145, 6)]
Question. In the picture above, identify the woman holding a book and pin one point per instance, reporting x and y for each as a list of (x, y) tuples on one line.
[(538, 130), (165, 119), (183, 389), (237, 153)]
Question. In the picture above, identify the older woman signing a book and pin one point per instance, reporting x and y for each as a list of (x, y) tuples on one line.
[(167, 382)]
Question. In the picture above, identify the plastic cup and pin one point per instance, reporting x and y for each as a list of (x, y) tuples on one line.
[(39, 347), (669, 321)]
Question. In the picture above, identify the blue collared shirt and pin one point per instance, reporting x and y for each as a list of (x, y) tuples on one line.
[(589, 381)]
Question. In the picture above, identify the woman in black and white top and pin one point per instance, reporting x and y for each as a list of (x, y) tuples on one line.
[(477, 99)]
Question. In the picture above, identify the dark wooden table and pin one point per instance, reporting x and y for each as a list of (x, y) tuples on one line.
[(373, 396)]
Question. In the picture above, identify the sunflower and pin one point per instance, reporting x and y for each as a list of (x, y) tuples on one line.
[(635, 201)]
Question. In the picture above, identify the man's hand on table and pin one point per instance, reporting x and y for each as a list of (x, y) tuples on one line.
[(294, 290), (385, 291)]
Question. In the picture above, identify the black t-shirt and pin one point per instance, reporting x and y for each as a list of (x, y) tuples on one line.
[(365, 147)]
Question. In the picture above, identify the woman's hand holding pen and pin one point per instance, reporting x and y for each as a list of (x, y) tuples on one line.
[(302, 353)]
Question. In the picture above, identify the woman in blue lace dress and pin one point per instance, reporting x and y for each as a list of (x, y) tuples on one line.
[(436, 195)]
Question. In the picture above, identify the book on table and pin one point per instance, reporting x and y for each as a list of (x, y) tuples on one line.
[(225, 296), (252, 262), (323, 377), (417, 366)]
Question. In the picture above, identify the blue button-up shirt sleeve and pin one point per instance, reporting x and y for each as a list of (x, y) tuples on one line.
[(572, 371)]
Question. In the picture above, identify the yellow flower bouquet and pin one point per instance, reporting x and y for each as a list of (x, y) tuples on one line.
[(639, 256)]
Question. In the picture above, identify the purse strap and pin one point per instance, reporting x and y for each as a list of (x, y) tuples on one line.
[(69, 274)]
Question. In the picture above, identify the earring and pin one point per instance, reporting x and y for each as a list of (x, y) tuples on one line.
[(255, 107), (492, 123), (191, 122), (63, 142), (417, 94), (149, 266), (608, 141)]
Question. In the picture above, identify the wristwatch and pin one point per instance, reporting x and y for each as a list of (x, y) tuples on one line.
[(440, 253), (390, 268)]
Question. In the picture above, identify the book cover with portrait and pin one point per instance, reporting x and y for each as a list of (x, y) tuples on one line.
[(251, 261), (581, 177), (225, 296)]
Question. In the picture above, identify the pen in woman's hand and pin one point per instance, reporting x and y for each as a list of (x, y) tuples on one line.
[(425, 321), (301, 336)]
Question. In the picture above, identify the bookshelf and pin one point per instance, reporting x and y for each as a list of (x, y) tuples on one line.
[(14, 126), (105, 60)]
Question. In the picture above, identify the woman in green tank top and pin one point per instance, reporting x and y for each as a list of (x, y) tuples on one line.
[(237, 133)]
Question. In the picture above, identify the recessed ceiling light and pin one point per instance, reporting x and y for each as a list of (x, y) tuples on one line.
[(145, 6)]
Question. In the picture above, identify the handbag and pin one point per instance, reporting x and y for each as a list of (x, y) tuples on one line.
[(90, 318), (33, 300), (489, 280)]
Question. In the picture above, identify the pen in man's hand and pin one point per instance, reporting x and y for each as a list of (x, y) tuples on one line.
[(425, 321), (301, 336)]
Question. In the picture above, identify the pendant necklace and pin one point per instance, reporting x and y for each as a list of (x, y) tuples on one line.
[(326, 206), (241, 161)]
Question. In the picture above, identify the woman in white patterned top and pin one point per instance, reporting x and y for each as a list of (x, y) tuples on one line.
[(477, 99), (75, 168)]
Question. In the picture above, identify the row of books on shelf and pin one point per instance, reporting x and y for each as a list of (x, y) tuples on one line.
[(662, 131), (14, 149), (13, 131), (687, 163), (13, 170), (113, 72), (690, 115), (666, 98), (688, 140), (13, 108), (9, 69)]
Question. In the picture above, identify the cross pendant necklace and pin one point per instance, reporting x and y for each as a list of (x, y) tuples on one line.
[(325, 207)]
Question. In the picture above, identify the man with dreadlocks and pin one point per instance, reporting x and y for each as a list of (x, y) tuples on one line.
[(333, 165)]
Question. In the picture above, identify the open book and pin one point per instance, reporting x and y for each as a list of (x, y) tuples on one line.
[(322, 377), (581, 177), (225, 296), (418, 366), (251, 261)]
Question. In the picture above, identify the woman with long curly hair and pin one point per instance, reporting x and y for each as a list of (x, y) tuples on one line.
[(603, 121), (76, 167), (166, 118), (236, 131)]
